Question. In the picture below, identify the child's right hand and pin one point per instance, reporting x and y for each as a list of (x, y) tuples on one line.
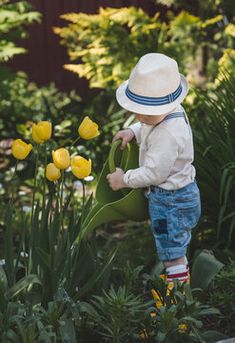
[(125, 135)]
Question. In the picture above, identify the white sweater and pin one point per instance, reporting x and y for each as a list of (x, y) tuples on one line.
[(165, 155)]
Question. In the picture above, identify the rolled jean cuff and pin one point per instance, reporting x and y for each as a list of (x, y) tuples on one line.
[(172, 253)]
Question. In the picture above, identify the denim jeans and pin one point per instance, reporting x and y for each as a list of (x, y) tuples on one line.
[(173, 214)]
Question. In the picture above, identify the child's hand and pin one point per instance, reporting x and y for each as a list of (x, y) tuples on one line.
[(115, 179), (126, 136)]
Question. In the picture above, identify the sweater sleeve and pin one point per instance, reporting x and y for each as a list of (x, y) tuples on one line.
[(159, 159), (136, 128)]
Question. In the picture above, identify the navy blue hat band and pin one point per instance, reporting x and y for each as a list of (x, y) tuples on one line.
[(154, 101)]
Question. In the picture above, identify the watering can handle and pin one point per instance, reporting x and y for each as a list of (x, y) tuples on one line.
[(113, 149)]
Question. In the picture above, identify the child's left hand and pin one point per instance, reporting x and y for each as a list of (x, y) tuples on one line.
[(115, 180)]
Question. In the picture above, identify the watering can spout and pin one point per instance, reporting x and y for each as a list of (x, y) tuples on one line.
[(125, 204)]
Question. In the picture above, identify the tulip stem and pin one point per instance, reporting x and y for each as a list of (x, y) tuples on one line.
[(44, 182), (30, 261), (34, 184), (12, 188), (44, 192), (83, 200), (69, 198), (57, 204), (75, 141), (61, 198)]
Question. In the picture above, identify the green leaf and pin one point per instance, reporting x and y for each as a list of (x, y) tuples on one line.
[(205, 267), (3, 278), (212, 336), (161, 336), (8, 50), (88, 309), (209, 311), (44, 257), (98, 274), (67, 331), (23, 283)]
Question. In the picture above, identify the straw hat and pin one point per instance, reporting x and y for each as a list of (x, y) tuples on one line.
[(155, 86)]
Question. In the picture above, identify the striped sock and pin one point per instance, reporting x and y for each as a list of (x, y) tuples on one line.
[(179, 272)]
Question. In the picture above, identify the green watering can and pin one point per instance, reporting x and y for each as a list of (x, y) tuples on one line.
[(125, 204)]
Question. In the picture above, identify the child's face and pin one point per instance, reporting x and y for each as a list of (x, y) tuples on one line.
[(149, 120)]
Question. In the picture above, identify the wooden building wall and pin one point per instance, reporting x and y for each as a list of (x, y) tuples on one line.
[(45, 57)]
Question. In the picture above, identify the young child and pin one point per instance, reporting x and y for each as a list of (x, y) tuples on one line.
[(154, 92)]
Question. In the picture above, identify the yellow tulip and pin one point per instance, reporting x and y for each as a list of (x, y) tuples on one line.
[(182, 328), (20, 149), (52, 172), (61, 158), (35, 136), (88, 129), (81, 167), (41, 131)]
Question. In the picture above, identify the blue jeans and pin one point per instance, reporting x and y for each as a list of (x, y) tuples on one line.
[(173, 214)]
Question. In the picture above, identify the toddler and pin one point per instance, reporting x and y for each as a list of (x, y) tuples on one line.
[(154, 92)]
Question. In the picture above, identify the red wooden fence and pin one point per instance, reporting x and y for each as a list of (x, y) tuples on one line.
[(45, 57)]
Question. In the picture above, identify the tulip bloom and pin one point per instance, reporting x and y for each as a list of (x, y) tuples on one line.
[(52, 172), (81, 167), (41, 132), (88, 129), (61, 158), (20, 150)]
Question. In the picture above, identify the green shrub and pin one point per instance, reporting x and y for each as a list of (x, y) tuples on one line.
[(96, 39), (200, 8), (13, 20), (214, 161), (22, 101)]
